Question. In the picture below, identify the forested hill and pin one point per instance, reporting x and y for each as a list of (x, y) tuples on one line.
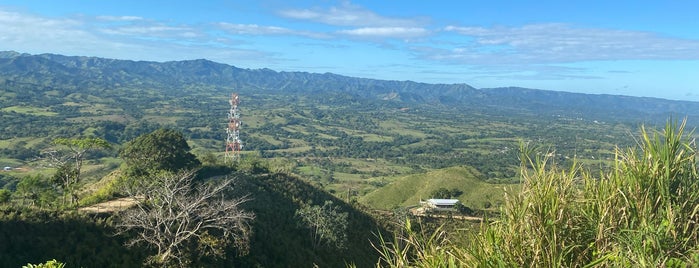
[(61, 71), (50, 71)]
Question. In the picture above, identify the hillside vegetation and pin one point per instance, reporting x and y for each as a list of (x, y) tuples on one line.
[(347, 135), (410, 190), (31, 235), (641, 213), (280, 241), (326, 161)]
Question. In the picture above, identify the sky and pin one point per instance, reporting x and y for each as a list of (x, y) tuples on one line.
[(636, 48)]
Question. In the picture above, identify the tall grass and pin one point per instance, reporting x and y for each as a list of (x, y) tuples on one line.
[(416, 248), (645, 209), (643, 212), (543, 224)]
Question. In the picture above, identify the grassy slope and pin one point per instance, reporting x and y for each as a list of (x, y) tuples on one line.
[(408, 191), (278, 240)]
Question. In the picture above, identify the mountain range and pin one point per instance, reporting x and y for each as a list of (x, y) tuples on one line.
[(58, 71)]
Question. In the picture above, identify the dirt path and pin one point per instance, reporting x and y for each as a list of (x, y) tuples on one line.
[(112, 205)]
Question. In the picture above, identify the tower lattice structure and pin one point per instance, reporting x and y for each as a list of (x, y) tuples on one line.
[(233, 143)]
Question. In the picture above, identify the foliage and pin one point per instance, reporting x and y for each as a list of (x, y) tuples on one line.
[(109, 187), (37, 189), (542, 224), (326, 223), (642, 213), (69, 161), (646, 208), (162, 149), (342, 128), (344, 137), (33, 235), (445, 193), (418, 248), (5, 196), (48, 264), (182, 220), (280, 239), (409, 190), (252, 163)]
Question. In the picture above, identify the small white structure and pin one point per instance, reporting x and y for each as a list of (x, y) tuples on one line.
[(7, 168), (440, 204)]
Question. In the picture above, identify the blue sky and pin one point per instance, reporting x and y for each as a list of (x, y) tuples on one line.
[(635, 48)]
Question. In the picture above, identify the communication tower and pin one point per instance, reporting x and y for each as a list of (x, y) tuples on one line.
[(233, 143)]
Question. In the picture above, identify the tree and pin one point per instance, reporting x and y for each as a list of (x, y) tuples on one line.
[(446, 193), (5, 196), (68, 157), (35, 188), (163, 149), (181, 219), (326, 223)]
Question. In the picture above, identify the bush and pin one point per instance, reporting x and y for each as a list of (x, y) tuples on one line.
[(5, 196), (644, 212), (48, 264)]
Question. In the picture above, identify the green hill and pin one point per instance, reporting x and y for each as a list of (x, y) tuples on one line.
[(279, 241), (409, 190), (32, 235)]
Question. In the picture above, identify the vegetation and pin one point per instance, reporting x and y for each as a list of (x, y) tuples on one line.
[(343, 133), (162, 149), (330, 165), (32, 235), (48, 264), (36, 190), (185, 199), (182, 220), (327, 225), (277, 230), (69, 164), (446, 193), (410, 190), (642, 213)]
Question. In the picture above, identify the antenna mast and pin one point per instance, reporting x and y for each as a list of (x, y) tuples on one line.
[(233, 143)]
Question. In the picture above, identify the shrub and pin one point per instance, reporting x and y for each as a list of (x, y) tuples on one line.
[(644, 212), (48, 264)]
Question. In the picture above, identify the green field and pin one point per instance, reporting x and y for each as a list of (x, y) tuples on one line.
[(29, 110)]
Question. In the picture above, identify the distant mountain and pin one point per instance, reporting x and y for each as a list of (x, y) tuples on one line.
[(82, 71), (58, 71)]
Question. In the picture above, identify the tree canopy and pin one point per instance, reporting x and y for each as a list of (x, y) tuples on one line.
[(68, 157), (162, 149)]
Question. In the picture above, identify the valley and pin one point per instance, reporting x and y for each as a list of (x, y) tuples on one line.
[(373, 147), (337, 132)]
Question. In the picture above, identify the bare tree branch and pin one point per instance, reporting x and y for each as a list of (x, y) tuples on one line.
[(178, 216)]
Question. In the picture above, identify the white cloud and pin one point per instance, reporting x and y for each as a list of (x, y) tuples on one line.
[(254, 29), (559, 43), (349, 15), (119, 18), (117, 37), (30, 33), (152, 31), (392, 32)]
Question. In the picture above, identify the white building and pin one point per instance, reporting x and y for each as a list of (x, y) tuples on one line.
[(440, 204)]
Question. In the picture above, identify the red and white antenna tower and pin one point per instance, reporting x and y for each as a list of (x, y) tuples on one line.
[(233, 143)]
